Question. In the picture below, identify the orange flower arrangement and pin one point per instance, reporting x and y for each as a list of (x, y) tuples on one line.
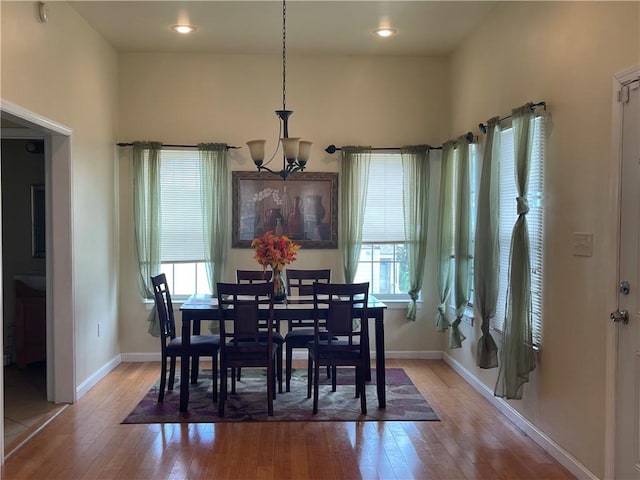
[(274, 250)]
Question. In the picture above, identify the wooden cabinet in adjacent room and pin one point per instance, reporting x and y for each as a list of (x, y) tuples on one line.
[(30, 327)]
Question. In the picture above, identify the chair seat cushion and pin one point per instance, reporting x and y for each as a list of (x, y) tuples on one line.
[(299, 337), (340, 348), (200, 344), (277, 338)]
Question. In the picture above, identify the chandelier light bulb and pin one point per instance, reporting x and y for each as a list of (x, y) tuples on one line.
[(385, 32), (183, 29)]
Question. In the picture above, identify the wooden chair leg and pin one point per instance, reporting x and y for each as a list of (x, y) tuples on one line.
[(214, 377), (316, 385), (223, 389), (288, 366), (163, 380), (363, 396), (279, 369), (271, 390), (309, 375), (233, 380), (334, 379), (195, 366), (172, 372)]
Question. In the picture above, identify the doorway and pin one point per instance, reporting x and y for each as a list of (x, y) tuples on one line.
[(24, 285), (626, 317), (60, 340)]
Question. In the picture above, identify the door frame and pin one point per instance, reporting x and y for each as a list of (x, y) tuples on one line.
[(61, 348), (614, 247)]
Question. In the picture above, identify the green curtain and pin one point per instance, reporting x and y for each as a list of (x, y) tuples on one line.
[(214, 194), (462, 250), (354, 172), (146, 217), (487, 250), (517, 357), (444, 270), (415, 172)]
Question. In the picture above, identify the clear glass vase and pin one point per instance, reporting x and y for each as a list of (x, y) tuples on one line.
[(279, 288)]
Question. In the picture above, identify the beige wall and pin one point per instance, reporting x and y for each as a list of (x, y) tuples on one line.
[(565, 53), (339, 100), (65, 72)]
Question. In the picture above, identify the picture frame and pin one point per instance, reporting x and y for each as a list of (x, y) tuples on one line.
[(304, 207)]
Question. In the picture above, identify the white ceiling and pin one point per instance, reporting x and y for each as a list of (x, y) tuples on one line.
[(313, 27)]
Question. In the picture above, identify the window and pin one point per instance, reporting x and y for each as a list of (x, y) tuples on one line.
[(182, 241), (535, 220), (383, 255)]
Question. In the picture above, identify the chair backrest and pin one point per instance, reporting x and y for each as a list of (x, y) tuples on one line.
[(300, 282), (337, 305), (253, 276), (244, 306), (164, 308)]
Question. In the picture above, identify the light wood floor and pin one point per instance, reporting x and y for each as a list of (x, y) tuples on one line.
[(472, 440)]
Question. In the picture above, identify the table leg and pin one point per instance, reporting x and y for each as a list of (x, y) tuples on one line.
[(195, 361), (184, 364), (381, 377)]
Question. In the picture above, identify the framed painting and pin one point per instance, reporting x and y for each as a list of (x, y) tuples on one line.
[(304, 207)]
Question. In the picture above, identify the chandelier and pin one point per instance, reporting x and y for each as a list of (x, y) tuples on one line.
[(295, 152)]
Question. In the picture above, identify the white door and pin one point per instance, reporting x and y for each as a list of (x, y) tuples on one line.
[(627, 449)]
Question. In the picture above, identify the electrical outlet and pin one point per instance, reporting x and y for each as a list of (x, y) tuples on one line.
[(99, 328)]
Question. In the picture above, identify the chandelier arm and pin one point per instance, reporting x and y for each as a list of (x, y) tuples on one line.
[(275, 152)]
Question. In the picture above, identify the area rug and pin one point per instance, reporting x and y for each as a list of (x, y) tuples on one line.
[(248, 404)]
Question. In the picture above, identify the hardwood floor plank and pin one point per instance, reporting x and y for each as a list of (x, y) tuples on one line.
[(472, 441)]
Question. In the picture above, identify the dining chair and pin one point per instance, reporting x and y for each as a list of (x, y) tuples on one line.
[(253, 276), (244, 342), (262, 276), (171, 345), (344, 344), (300, 331)]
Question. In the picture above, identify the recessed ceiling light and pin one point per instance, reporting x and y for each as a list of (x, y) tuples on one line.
[(385, 32), (184, 29)]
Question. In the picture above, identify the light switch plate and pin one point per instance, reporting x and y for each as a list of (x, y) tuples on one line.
[(582, 244)]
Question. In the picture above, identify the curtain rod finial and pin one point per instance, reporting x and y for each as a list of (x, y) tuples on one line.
[(331, 149)]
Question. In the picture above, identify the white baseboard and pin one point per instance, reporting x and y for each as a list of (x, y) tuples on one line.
[(85, 386), (552, 448)]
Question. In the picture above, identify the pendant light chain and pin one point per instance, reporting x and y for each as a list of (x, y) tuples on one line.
[(284, 55), (295, 152)]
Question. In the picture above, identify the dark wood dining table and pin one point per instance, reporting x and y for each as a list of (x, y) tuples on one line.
[(200, 307)]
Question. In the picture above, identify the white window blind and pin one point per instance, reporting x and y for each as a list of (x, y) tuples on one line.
[(182, 234), (384, 212), (535, 221)]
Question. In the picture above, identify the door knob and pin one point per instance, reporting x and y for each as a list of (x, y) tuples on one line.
[(620, 316)]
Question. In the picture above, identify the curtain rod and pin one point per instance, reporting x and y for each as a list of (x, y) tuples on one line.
[(483, 127), (332, 148), (171, 145)]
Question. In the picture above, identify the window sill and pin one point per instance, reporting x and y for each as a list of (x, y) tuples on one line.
[(398, 304)]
